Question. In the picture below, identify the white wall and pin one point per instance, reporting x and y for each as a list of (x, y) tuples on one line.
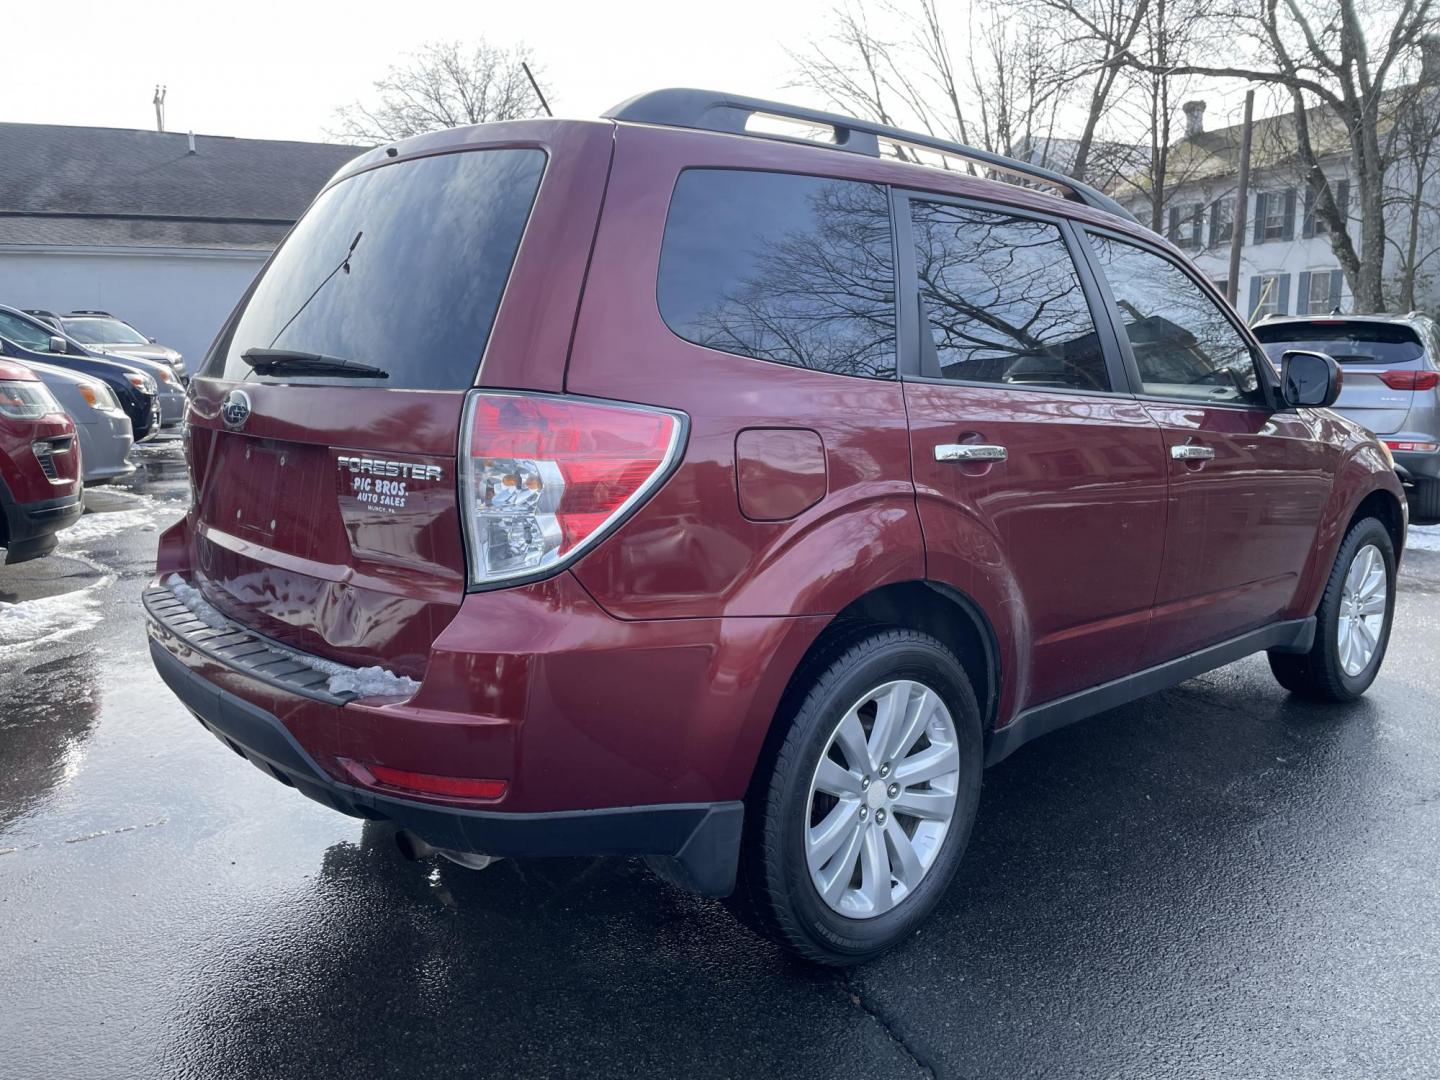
[(178, 299)]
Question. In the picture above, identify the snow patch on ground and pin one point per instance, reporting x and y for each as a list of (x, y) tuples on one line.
[(1423, 538), (373, 681), (49, 619), (93, 527)]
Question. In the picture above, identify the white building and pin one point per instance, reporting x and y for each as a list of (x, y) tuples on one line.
[(164, 232), (1287, 265)]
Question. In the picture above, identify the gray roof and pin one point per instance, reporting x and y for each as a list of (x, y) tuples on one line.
[(83, 186)]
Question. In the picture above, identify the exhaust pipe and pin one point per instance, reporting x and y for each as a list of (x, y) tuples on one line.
[(416, 849), (412, 847)]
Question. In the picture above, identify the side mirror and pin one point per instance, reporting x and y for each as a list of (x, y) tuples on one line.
[(57, 344), (151, 340), (1309, 380)]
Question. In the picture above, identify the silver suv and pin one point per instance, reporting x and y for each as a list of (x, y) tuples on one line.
[(1391, 365)]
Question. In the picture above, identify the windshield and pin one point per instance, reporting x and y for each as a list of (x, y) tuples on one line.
[(400, 268), (1347, 342), (103, 332)]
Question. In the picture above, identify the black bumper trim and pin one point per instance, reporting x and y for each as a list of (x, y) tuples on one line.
[(702, 839), (237, 647), (31, 528)]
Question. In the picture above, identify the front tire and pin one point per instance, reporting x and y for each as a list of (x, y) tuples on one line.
[(867, 807), (1352, 623)]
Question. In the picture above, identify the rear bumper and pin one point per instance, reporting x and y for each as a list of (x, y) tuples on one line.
[(1412, 466), (702, 838), (31, 527)]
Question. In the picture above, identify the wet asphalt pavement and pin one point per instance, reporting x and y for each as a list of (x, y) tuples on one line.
[(1216, 882)]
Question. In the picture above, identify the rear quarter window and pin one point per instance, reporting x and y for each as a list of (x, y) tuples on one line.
[(799, 270), (433, 242)]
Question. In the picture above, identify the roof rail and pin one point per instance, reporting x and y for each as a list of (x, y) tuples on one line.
[(709, 110)]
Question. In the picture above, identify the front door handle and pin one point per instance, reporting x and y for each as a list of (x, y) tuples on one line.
[(969, 452), (1190, 452)]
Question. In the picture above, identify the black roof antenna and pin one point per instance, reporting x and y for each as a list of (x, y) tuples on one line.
[(536, 87)]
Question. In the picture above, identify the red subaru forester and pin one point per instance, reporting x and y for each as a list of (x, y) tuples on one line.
[(673, 486)]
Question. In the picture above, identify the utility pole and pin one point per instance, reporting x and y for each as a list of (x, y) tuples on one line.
[(159, 101), (1242, 195)]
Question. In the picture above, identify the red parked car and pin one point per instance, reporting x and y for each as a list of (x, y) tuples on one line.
[(39, 466), (657, 487)]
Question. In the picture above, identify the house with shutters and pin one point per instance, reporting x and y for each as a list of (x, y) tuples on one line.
[(1287, 265)]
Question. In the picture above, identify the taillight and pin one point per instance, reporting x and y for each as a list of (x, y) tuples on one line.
[(1406, 445), (1411, 380), (543, 477)]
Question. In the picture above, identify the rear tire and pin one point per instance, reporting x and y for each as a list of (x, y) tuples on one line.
[(890, 725), (1425, 502), (1349, 648)]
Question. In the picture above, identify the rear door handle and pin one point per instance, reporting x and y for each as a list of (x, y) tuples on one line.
[(969, 452), (1191, 452)]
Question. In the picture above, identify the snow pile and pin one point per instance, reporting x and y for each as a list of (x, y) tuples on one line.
[(51, 618), (191, 597), (1423, 538), (93, 527), (365, 682)]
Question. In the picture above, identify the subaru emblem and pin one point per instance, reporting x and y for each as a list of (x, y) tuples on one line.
[(235, 409)]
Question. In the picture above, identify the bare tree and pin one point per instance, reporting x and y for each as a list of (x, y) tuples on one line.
[(444, 84), (1413, 182), (1007, 93), (1319, 52)]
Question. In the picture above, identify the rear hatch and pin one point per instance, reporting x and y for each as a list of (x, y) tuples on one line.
[(325, 424), (1380, 362)]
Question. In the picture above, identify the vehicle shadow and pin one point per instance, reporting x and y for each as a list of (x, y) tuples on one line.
[(1119, 872)]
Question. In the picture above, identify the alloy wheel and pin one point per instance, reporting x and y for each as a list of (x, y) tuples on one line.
[(1363, 603), (882, 799)]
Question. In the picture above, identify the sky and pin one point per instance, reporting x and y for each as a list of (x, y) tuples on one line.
[(279, 70), (265, 69)]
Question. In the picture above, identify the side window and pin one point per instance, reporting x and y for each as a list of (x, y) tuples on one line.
[(1184, 344), (1001, 301), (794, 269), (23, 333)]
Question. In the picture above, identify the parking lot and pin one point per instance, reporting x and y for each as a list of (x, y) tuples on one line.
[(1217, 880)]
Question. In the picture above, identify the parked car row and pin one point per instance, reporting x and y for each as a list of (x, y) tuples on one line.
[(77, 392)]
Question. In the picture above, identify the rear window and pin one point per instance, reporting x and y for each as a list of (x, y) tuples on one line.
[(1347, 342), (433, 240), (795, 269)]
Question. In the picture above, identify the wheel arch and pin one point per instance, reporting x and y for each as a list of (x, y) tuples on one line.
[(930, 607)]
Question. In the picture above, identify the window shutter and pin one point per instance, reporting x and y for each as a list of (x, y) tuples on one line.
[(1337, 282), (1287, 231), (1282, 291), (1342, 199), (1254, 297), (1308, 229), (1197, 224), (1215, 223), (1172, 233), (1261, 198), (1302, 293)]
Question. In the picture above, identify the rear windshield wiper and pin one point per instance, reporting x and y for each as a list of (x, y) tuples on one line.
[(280, 361)]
